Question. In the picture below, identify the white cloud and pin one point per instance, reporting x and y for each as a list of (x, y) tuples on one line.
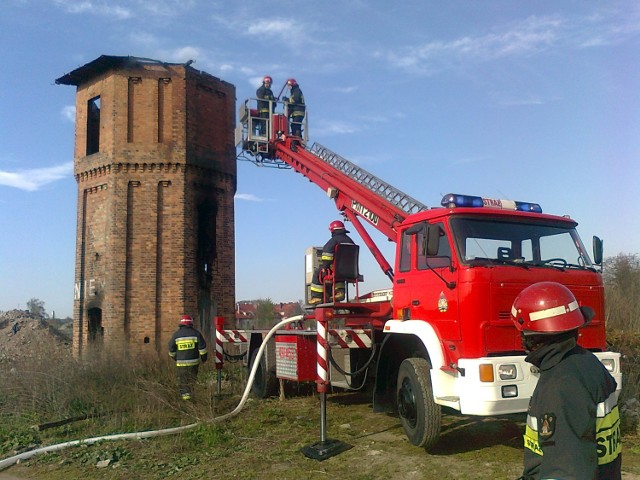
[(334, 128), (182, 54), (608, 27), (32, 180), (166, 8), (250, 197), (524, 38), (345, 89), (289, 31), (144, 39), (95, 7), (68, 112), (272, 27), (528, 37)]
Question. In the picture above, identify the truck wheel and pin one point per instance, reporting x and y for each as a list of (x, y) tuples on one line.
[(419, 414), (265, 384)]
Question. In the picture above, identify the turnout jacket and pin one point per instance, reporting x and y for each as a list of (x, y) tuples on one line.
[(187, 347), (573, 424), (264, 94), (338, 236), (296, 104)]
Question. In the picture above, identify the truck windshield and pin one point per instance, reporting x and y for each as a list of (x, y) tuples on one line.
[(496, 241)]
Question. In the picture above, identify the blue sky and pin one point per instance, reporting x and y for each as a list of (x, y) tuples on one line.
[(534, 101)]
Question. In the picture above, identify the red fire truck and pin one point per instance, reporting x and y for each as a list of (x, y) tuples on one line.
[(441, 336)]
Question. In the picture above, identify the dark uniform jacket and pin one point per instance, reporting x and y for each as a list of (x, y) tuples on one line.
[(337, 236), (187, 347), (296, 104), (573, 424), (264, 93)]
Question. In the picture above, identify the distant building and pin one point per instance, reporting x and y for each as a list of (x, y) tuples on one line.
[(246, 313), (155, 165)]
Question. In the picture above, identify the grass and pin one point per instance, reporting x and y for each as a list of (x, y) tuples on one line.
[(263, 441)]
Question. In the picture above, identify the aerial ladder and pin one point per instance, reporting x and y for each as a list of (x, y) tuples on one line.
[(357, 193)]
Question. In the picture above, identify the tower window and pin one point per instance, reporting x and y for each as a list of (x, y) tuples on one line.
[(93, 125)]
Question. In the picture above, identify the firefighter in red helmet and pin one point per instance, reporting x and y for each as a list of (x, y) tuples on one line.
[(295, 107), (338, 235), (573, 424), (188, 348), (265, 104)]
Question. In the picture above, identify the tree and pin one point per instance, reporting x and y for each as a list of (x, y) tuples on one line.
[(36, 307), (622, 292), (265, 313)]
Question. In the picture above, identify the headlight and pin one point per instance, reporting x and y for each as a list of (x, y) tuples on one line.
[(507, 372), (509, 391), (609, 364)]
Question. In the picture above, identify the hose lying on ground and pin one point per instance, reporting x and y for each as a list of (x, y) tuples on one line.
[(7, 462)]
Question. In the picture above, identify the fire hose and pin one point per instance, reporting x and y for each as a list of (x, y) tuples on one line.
[(8, 462)]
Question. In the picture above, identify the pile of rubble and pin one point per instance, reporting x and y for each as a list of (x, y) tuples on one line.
[(23, 334)]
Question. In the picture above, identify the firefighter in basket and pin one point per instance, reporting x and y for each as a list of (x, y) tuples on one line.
[(338, 235), (265, 105)]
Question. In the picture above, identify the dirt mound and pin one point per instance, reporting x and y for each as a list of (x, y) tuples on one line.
[(23, 334)]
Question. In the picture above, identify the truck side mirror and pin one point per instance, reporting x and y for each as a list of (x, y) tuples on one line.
[(433, 240), (597, 250)]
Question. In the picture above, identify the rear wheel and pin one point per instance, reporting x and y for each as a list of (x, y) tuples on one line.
[(420, 415), (265, 383)]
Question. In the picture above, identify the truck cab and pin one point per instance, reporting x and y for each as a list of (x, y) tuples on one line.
[(458, 270)]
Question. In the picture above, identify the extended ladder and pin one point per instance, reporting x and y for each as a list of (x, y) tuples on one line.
[(391, 194)]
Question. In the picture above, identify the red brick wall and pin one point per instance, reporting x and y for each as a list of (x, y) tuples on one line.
[(155, 236)]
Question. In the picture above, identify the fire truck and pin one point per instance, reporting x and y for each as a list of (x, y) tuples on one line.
[(442, 335)]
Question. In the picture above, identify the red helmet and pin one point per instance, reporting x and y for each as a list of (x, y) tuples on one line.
[(266, 79), (186, 320), (291, 82), (336, 225), (548, 308)]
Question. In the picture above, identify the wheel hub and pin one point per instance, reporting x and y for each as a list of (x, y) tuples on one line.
[(407, 403)]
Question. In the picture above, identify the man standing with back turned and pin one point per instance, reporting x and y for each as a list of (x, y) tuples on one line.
[(187, 347), (573, 424)]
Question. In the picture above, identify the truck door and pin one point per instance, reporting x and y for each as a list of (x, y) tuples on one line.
[(424, 282)]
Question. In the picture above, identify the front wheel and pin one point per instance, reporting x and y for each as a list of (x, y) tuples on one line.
[(420, 415)]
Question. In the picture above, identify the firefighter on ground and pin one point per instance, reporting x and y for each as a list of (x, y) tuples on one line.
[(295, 107), (265, 104), (573, 424), (188, 348), (338, 235)]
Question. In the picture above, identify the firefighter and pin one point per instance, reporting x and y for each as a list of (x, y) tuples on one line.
[(338, 235), (295, 107), (265, 104), (573, 424), (188, 348)]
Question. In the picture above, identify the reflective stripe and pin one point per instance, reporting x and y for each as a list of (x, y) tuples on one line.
[(327, 256), (186, 343), (203, 351), (553, 312), (532, 423), (608, 436), (172, 354), (531, 439), (187, 363), (604, 408), (316, 288)]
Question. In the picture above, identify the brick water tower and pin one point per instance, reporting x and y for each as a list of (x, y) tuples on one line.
[(155, 165)]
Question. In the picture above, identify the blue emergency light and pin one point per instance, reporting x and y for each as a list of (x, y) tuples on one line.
[(453, 200)]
